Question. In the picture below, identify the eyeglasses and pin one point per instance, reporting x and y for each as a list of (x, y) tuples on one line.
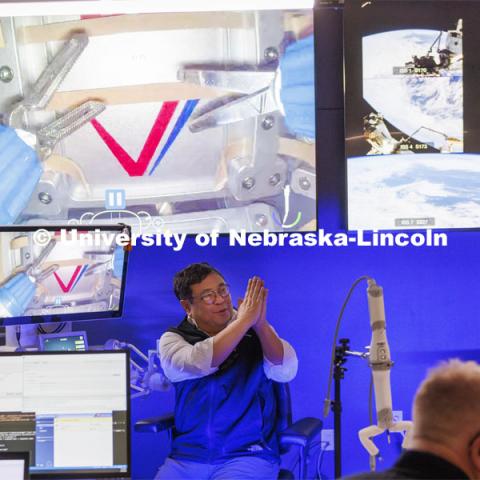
[(209, 298)]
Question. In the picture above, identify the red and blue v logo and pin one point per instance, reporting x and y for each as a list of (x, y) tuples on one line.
[(74, 279), (139, 167)]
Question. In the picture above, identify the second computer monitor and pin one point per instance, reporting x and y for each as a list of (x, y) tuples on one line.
[(69, 410)]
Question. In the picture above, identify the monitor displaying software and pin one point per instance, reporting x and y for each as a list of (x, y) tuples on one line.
[(69, 410)]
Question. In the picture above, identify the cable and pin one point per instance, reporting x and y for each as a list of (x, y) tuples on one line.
[(18, 334), (326, 406), (57, 329), (320, 459), (370, 403)]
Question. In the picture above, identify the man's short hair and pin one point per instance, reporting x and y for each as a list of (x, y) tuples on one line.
[(448, 402), (194, 273)]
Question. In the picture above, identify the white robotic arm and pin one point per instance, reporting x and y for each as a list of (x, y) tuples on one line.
[(380, 362), (145, 378)]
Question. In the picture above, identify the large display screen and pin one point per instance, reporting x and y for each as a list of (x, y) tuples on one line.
[(69, 410), (208, 119), (412, 117), (61, 273)]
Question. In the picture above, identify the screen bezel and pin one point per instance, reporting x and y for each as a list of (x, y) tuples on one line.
[(64, 317), (99, 474)]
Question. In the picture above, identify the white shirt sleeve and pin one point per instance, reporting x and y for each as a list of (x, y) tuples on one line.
[(285, 371), (182, 361)]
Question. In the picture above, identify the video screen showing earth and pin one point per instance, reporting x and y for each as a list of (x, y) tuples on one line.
[(407, 161)]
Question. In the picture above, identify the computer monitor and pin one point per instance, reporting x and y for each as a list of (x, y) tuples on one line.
[(14, 466), (66, 341), (69, 410), (62, 273)]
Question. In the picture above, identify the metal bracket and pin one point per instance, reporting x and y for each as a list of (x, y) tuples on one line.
[(263, 174), (250, 180), (304, 182), (50, 197)]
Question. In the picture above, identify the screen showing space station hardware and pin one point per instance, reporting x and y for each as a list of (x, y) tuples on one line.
[(162, 136), (69, 410), (412, 111), (61, 273)]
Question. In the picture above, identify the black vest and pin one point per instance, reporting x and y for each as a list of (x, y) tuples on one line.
[(227, 414)]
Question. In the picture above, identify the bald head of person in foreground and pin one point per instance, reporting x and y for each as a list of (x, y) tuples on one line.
[(446, 415)]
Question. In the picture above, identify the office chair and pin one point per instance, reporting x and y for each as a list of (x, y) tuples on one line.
[(300, 434)]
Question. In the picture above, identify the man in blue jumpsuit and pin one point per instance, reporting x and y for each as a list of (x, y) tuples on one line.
[(223, 364)]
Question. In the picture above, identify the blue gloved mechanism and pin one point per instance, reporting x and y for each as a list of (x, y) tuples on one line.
[(16, 294), (260, 91), (20, 171), (297, 91), (18, 291), (21, 152)]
